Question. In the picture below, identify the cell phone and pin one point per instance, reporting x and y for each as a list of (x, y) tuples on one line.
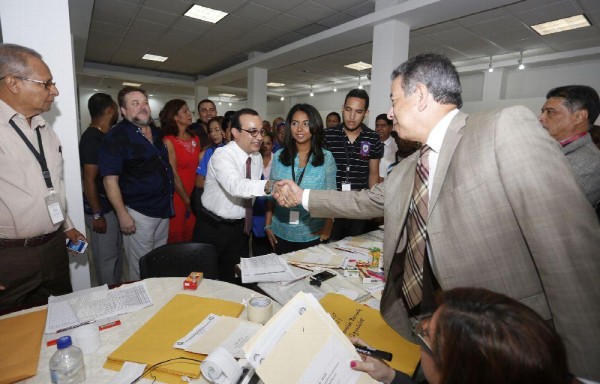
[(78, 247), (322, 276)]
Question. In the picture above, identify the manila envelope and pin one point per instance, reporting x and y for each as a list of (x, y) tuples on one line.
[(358, 320), (153, 342), (22, 336)]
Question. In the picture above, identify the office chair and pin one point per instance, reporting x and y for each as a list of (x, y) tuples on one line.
[(179, 259)]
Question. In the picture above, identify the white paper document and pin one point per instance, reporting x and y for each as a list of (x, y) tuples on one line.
[(319, 255), (302, 344), (269, 268), (215, 331), (88, 305)]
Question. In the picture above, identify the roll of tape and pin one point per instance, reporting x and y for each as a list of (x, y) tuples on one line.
[(220, 367), (260, 309), (87, 338)]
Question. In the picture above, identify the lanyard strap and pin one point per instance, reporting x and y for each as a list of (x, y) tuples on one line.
[(303, 170), (347, 159), (41, 158)]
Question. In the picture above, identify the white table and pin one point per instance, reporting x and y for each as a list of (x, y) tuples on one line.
[(161, 290)]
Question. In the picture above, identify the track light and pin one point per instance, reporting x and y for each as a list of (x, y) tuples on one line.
[(282, 98), (334, 88), (359, 84), (521, 65), (230, 103), (491, 66), (311, 91)]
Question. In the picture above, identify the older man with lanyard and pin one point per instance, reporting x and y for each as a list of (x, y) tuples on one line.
[(34, 263)]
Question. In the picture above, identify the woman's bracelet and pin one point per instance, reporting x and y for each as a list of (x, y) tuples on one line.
[(267, 227)]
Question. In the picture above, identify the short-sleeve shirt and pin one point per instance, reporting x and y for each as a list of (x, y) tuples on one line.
[(203, 165), (89, 145), (145, 175), (366, 147)]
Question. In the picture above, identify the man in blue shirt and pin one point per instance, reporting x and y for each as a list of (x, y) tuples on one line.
[(138, 178)]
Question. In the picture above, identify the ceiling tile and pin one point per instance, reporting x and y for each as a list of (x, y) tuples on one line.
[(156, 17), (115, 12), (498, 26), (311, 11), (256, 12), (279, 5), (288, 22), (335, 20), (341, 5), (175, 7), (482, 16), (311, 29), (549, 12), (362, 9)]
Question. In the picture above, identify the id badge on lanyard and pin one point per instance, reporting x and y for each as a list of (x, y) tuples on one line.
[(55, 209)]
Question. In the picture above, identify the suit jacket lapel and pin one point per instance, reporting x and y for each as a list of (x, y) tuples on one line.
[(449, 144)]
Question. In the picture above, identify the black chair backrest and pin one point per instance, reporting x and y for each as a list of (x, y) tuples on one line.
[(179, 260)]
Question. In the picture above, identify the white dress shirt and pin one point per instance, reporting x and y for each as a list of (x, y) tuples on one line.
[(226, 185), (389, 156)]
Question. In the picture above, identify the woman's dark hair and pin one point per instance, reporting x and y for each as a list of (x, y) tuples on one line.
[(167, 117), (288, 154), (486, 337), (219, 120)]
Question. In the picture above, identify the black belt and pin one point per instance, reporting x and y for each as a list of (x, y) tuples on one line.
[(217, 218), (27, 243)]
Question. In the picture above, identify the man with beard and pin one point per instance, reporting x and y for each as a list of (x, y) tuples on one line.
[(106, 240), (357, 150), (138, 178)]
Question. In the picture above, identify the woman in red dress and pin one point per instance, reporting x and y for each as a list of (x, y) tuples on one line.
[(184, 151)]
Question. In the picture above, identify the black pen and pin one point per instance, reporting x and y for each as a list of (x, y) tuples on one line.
[(374, 353)]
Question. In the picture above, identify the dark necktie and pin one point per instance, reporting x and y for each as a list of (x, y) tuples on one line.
[(248, 202), (416, 248)]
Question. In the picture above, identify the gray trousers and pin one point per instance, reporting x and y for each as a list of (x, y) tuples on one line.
[(107, 250), (150, 233)]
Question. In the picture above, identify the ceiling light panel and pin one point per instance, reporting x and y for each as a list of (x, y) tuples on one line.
[(205, 14), (275, 84), (227, 94), (148, 56), (131, 84), (359, 66), (561, 25)]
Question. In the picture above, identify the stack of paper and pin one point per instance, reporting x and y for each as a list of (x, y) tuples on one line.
[(269, 268), (94, 304), (302, 344), (319, 255)]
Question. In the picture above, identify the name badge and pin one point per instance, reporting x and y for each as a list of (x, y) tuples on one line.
[(55, 210), (294, 217), (346, 187), (365, 147)]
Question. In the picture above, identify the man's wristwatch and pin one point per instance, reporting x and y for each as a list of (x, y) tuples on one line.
[(98, 215)]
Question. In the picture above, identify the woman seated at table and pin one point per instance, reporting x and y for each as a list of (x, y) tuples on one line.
[(477, 336), (303, 160)]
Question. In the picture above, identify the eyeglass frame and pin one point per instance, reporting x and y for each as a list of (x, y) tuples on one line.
[(47, 84), (255, 132), (421, 333)]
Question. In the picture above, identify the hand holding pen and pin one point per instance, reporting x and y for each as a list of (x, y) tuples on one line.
[(374, 367)]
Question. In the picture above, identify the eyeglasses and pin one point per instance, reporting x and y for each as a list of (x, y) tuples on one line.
[(255, 132), (47, 84), (423, 333)]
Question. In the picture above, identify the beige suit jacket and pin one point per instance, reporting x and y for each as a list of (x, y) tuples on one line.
[(505, 214)]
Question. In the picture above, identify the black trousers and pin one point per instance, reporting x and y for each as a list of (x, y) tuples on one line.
[(32, 274), (229, 239)]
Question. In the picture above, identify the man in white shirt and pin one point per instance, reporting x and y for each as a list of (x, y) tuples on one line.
[(502, 210), (232, 181), (383, 127)]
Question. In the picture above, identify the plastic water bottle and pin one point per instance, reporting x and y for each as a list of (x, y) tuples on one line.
[(66, 365)]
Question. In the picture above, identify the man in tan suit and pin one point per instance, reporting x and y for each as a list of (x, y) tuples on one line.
[(504, 211)]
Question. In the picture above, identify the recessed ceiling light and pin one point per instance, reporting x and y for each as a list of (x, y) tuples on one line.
[(205, 14), (275, 84), (227, 94), (148, 56), (561, 25), (360, 66), (131, 84)]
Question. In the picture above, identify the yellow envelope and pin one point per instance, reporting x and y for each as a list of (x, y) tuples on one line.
[(357, 320), (22, 336), (153, 342)]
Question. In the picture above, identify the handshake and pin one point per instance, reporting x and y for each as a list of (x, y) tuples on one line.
[(287, 193)]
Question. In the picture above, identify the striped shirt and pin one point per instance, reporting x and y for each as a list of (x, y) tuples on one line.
[(366, 147)]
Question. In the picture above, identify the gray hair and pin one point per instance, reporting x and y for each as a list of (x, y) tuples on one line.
[(437, 73), (13, 60)]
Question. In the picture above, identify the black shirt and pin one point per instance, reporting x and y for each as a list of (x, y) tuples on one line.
[(366, 147), (89, 145)]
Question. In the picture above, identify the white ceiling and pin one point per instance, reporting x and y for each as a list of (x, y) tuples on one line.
[(216, 55)]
